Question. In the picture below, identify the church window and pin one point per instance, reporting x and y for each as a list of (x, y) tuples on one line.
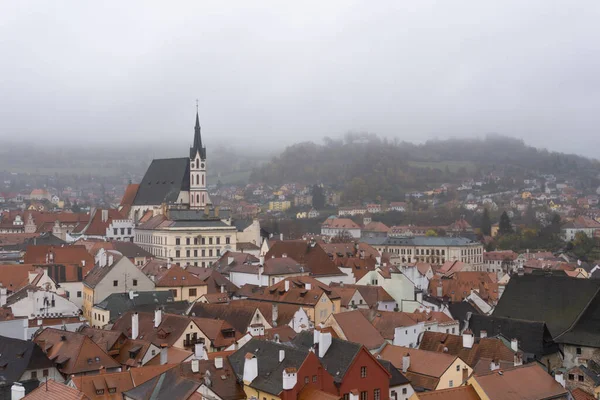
[(197, 198), (192, 165), (202, 179)]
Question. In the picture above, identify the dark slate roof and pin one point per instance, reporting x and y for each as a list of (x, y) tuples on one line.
[(429, 241), (460, 311), (168, 386), (242, 224), (592, 371), (163, 181), (5, 388), (556, 300), (98, 273), (534, 337), (18, 356), (586, 331), (397, 378), (270, 370), (119, 303), (131, 250), (338, 358)]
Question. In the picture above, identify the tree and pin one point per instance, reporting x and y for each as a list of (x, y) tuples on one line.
[(318, 197), (75, 207), (342, 237), (554, 227), (431, 232), (505, 227), (486, 223)]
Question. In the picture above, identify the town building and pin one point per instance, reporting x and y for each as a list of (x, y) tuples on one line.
[(340, 227)]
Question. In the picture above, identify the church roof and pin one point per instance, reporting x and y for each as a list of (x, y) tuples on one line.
[(197, 147), (163, 181)]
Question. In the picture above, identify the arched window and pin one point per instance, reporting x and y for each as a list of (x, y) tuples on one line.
[(198, 198), (202, 179), (192, 165), (202, 198)]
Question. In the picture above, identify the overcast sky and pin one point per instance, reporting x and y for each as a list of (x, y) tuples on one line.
[(278, 72)]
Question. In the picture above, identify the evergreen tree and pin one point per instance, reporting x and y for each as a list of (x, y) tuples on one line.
[(505, 225), (486, 223), (318, 200)]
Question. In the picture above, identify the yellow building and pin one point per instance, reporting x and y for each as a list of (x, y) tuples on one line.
[(280, 205), (526, 195), (182, 284)]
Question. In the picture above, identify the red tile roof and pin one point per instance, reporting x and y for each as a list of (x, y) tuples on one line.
[(52, 390)]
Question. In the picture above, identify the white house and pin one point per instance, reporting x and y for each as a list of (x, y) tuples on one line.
[(32, 302), (340, 226)]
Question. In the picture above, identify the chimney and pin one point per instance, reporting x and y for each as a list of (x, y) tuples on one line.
[(83, 263), (200, 352), (274, 314), (281, 355), (308, 286), (494, 365), (218, 362), (440, 290), (104, 215), (560, 378), (260, 272), (17, 391), (324, 343), (195, 366), (111, 259), (222, 288), (514, 344), (169, 263), (468, 339), (261, 260), (164, 356), (518, 358), (250, 368), (290, 378), (482, 334), (353, 394), (230, 260), (135, 325), (405, 362), (157, 318), (316, 336), (287, 286)]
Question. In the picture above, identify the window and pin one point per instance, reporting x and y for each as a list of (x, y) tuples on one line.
[(122, 231), (33, 374), (364, 395), (195, 240), (305, 380), (129, 231), (195, 253), (187, 241), (227, 240), (210, 253), (187, 253), (177, 253), (314, 379), (193, 292), (451, 383), (404, 391), (580, 378), (363, 372), (203, 240), (115, 231), (78, 294), (177, 241), (571, 377), (210, 240), (458, 368), (218, 252), (45, 372), (578, 350), (115, 283), (135, 282), (174, 291), (377, 394)]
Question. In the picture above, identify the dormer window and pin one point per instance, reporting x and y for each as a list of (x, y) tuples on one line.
[(99, 392)]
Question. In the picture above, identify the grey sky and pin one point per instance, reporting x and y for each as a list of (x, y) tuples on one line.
[(277, 72)]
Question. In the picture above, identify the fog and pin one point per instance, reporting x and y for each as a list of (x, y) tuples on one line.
[(270, 73)]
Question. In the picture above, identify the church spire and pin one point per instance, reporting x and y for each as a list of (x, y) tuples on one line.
[(197, 146)]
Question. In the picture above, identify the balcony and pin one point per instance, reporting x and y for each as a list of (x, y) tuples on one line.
[(192, 342)]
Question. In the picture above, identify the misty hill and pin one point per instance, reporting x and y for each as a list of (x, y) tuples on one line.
[(368, 167)]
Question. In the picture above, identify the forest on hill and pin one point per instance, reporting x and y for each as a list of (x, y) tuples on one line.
[(367, 167)]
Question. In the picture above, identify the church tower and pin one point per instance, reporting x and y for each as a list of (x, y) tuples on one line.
[(198, 193)]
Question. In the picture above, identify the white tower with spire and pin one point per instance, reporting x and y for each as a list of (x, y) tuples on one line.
[(198, 192)]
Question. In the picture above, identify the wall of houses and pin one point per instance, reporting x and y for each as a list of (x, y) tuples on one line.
[(43, 304), (189, 293), (453, 376), (573, 359)]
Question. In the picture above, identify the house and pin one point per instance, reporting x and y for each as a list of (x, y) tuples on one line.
[(500, 262), (537, 297), (427, 370), (113, 273), (582, 224), (178, 331), (313, 214), (482, 354), (316, 298), (74, 353), (333, 227), (105, 224), (584, 377), (23, 360), (280, 205), (354, 327), (529, 381), (351, 211), (116, 304), (532, 337), (398, 206), (51, 389), (34, 302), (457, 393), (135, 253), (400, 387), (196, 379), (354, 369), (314, 258), (395, 283), (184, 285), (278, 371), (375, 229), (128, 352), (270, 272), (459, 285)]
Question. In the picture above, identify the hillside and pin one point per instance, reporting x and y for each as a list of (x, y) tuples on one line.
[(367, 167)]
